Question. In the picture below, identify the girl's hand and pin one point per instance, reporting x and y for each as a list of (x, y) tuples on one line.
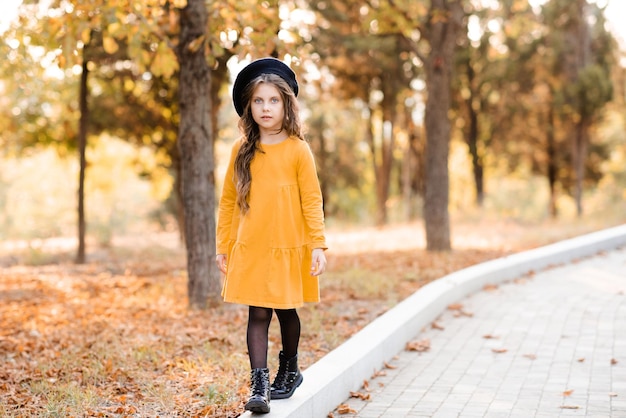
[(220, 259), (318, 264)]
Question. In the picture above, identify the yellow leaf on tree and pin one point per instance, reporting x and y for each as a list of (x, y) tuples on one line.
[(110, 45), (85, 35), (114, 28), (195, 45), (164, 62)]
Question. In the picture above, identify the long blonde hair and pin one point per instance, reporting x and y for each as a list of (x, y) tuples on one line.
[(252, 136)]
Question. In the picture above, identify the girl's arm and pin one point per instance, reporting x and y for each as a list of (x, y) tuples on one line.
[(227, 207), (312, 208)]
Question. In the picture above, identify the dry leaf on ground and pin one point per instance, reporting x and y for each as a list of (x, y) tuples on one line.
[(420, 346), (344, 409), (389, 366), (360, 395)]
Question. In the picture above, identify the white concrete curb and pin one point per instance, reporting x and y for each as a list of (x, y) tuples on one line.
[(328, 382)]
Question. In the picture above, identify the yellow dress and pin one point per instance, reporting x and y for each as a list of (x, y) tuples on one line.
[(269, 248)]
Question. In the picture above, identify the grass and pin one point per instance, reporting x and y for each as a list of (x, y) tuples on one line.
[(114, 337)]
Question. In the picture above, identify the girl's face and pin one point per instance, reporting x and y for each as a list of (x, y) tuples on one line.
[(268, 109)]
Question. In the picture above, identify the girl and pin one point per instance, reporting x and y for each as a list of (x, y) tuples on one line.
[(270, 233)]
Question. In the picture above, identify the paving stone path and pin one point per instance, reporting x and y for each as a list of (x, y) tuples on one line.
[(548, 345)]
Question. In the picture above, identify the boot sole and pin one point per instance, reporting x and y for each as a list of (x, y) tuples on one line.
[(257, 406), (288, 394)]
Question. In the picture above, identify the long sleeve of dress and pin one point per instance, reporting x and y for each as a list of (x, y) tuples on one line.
[(311, 199), (228, 212)]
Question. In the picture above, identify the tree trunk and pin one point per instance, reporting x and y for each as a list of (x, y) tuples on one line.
[(577, 57), (195, 143), (583, 55), (472, 140), (578, 157), (82, 147), (407, 176), (384, 176), (409, 169), (441, 34), (552, 163), (377, 163), (323, 162)]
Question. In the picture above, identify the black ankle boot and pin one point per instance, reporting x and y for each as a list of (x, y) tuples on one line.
[(288, 377), (259, 391)]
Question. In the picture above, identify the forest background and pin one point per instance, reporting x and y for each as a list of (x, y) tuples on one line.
[(477, 119)]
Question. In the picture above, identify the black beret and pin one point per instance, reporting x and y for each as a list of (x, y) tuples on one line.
[(255, 69)]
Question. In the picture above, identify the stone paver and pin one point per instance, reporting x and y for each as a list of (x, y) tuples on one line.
[(548, 345)]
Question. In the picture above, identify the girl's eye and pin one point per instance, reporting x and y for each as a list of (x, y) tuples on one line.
[(274, 100), (258, 101)]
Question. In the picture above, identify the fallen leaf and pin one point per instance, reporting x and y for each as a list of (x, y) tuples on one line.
[(499, 350), (530, 356), (580, 360), (455, 306), (613, 362), (389, 366), (366, 385), (344, 409), (612, 394), (568, 392), (570, 406), (466, 313), (435, 325), (359, 395), (419, 346), (378, 373), (490, 287), (490, 337)]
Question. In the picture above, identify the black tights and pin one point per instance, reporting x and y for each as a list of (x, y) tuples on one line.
[(258, 326)]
